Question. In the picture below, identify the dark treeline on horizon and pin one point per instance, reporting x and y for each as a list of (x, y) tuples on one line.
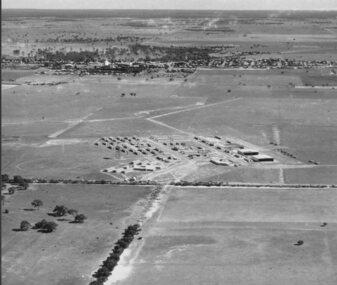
[(68, 14)]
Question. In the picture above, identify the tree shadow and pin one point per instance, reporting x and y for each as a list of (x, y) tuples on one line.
[(17, 230), (52, 214), (44, 231), (74, 222), (29, 209), (63, 220)]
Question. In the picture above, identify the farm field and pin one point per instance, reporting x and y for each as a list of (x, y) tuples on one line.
[(74, 251), (239, 236)]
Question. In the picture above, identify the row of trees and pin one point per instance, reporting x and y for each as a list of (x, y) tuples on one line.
[(16, 180), (221, 183), (109, 264), (178, 183), (84, 181), (71, 56)]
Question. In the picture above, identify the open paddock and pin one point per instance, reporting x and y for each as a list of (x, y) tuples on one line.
[(84, 97), (211, 172), (239, 236), (34, 258), (315, 142), (83, 160), (123, 127), (315, 175), (131, 106), (32, 129), (248, 175), (251, 78), (320, 80), (14, 74), (188, 38)]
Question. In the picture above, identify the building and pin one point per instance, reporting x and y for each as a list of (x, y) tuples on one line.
[(248, 152), (219, 161), (262, 158)]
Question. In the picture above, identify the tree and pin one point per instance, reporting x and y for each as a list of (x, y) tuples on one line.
[(80, 218), (25, 225), (45, 226), (24, 184), (49, 227), (17, 179), (41, 224), (102, 272), (4, 178), (60, 210), (96, 282), (37, 204), (11, 190)]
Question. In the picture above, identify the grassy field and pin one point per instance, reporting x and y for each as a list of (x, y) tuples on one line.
[(128, 127), (239, 236), (13, 75), (61, 160), (246, 174), (83, 96), (74, 251), (92, 107), (320, 174)]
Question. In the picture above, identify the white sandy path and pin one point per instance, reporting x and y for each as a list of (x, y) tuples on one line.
[(196, 108), (69, 127), (317, 87), (151, 119), (125, 265), (7, 86)]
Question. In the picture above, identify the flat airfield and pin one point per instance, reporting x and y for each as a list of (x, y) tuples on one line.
[(45, 127)]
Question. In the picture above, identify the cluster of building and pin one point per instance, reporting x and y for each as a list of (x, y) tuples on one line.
[(181, 145), (214, 149), (137, 146), (231, 153), (159, 152), (156, 158), (137, 165), (133, 145), (237, 61)]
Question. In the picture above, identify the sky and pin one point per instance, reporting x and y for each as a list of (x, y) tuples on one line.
[(174, 4)]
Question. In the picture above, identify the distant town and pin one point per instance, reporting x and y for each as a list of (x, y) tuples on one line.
[(177, 60)]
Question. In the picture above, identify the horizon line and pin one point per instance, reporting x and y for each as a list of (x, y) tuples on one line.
[(173, 9)]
